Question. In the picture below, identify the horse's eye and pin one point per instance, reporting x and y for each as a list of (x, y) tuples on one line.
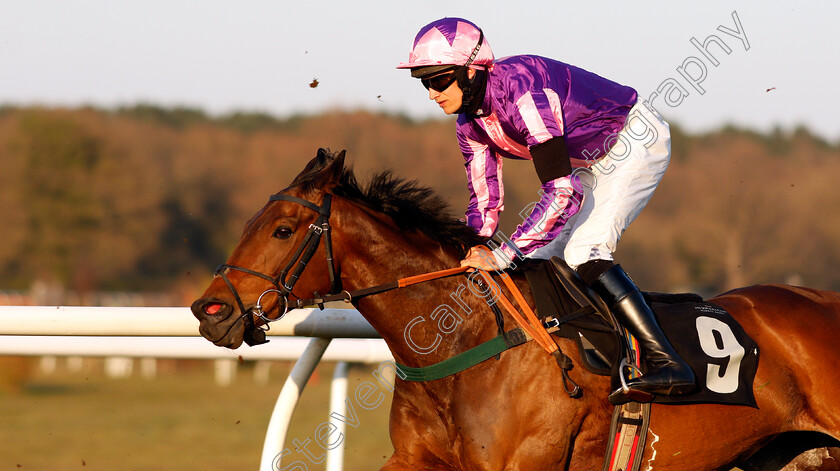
[(282, 232)]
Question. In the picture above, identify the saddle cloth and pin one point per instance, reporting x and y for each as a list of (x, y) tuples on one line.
[(721, 354)]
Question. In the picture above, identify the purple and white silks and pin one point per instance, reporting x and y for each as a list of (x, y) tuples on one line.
[(529, 100)]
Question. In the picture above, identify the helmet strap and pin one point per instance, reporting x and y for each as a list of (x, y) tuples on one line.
[(473, 89), (474, 53)]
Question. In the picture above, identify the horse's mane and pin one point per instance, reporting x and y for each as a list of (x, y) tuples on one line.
[(412, 207)]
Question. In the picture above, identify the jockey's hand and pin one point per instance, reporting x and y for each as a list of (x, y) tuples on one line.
[(482, 258)]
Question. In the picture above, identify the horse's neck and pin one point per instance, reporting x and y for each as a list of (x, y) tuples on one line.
[(423, 323), (430, 322)]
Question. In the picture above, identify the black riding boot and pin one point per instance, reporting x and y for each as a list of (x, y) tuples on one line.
[(663, 371)]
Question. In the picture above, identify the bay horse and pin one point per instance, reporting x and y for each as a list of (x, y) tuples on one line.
[(510, 412)]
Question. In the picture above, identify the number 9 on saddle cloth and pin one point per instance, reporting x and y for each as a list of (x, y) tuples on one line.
[(724, 358)]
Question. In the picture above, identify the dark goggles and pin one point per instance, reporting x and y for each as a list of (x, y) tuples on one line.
[(439, 83)]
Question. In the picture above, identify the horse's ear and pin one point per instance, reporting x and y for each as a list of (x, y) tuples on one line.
[(331, 173), (336, 167), (322, 171)]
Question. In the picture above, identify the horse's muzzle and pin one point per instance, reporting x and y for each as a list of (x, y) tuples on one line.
[(221, 323), (217, 322)]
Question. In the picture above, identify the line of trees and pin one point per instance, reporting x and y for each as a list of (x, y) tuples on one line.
[(149, 198)]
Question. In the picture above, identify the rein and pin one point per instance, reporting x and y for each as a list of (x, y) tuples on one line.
[(350, 296)]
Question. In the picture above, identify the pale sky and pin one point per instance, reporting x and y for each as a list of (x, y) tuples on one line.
[(262, 55)]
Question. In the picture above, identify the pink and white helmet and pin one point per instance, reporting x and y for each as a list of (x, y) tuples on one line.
[(447, 42)]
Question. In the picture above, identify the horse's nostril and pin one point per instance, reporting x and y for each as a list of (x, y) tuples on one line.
[(212, 308)]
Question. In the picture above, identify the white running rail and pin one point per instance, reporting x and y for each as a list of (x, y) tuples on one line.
[(172, 332)]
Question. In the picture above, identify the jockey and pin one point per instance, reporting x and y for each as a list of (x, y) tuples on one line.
[(598, 151)]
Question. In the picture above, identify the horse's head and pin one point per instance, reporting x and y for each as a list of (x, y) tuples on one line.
[(387, 229), (266, 269)]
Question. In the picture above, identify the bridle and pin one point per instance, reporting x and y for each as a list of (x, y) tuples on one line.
[(283, 286)]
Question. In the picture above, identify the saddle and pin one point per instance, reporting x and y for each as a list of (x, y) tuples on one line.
[(723, 357)]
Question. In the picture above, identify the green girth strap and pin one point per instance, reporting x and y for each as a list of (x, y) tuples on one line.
[(464, 360)]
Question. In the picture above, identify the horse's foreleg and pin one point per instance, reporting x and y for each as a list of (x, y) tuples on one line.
[(419, 437)]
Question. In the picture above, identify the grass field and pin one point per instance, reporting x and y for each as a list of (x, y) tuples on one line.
[(181, 420)]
